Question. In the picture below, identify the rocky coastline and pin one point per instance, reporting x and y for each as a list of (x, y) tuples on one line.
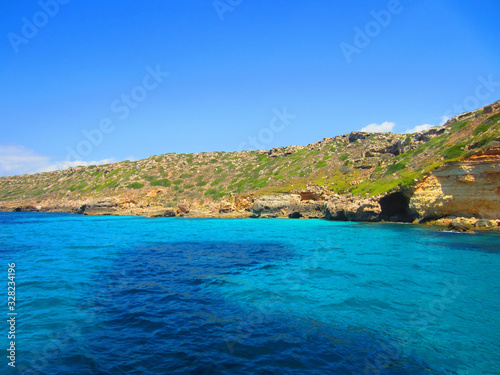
[(403, 206), (447, 175), (462, 195)]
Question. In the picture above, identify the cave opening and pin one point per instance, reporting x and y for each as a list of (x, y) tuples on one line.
[(396, 207)]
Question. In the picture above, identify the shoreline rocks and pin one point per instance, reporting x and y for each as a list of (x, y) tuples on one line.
[(458, 227), (313, 203)]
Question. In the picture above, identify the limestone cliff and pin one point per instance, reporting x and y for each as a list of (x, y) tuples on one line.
[(469, 188)]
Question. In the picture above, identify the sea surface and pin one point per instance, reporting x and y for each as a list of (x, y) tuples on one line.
[(132, 295)]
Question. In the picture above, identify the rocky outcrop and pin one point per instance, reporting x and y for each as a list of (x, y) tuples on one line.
[(307, 209), (107, 206), (275, 205), (349, 208), (336, 207), (467, 188), (243, 202), (162, 213), (426, 204), (288, 205), (183, 208), (225, 207), (459, 227), (284, 151), (25, 208)]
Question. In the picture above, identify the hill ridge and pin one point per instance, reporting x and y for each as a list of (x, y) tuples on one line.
[(360, 164)]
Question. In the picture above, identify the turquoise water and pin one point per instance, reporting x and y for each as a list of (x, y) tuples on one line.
[(130, 295)]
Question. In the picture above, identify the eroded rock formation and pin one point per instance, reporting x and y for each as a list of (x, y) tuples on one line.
[(470, 188)]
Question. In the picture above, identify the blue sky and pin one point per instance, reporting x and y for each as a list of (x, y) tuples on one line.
[(93, 82)]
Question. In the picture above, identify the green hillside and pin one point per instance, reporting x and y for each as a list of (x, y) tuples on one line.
[(359, 163)]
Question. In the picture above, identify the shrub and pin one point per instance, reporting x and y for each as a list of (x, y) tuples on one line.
[(383, 186), (258, 183), (210, 192), (480, 143), (262, 158), (77, 187), (135, 185), (215, 194), (459, 125), (481, 128), (217, 181), (435, 142), (395, 168), (321, 164), (344, 157), (163, 182), (110, 184), (115, 171), (454, 152)]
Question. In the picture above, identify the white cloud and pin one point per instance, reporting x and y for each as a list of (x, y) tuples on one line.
[(376, 128), (444, 119), (419, 128), (20, 160), (15, 160)]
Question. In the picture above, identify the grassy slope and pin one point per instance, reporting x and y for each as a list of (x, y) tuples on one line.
[(341, 163)]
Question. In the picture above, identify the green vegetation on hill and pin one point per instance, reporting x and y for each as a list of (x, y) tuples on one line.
[(359, 163)]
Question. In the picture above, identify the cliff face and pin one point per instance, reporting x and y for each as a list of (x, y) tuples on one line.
[(313, 205), (289, 205), (469, 188)]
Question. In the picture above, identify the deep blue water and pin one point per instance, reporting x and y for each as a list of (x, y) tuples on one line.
[(130, 295)]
